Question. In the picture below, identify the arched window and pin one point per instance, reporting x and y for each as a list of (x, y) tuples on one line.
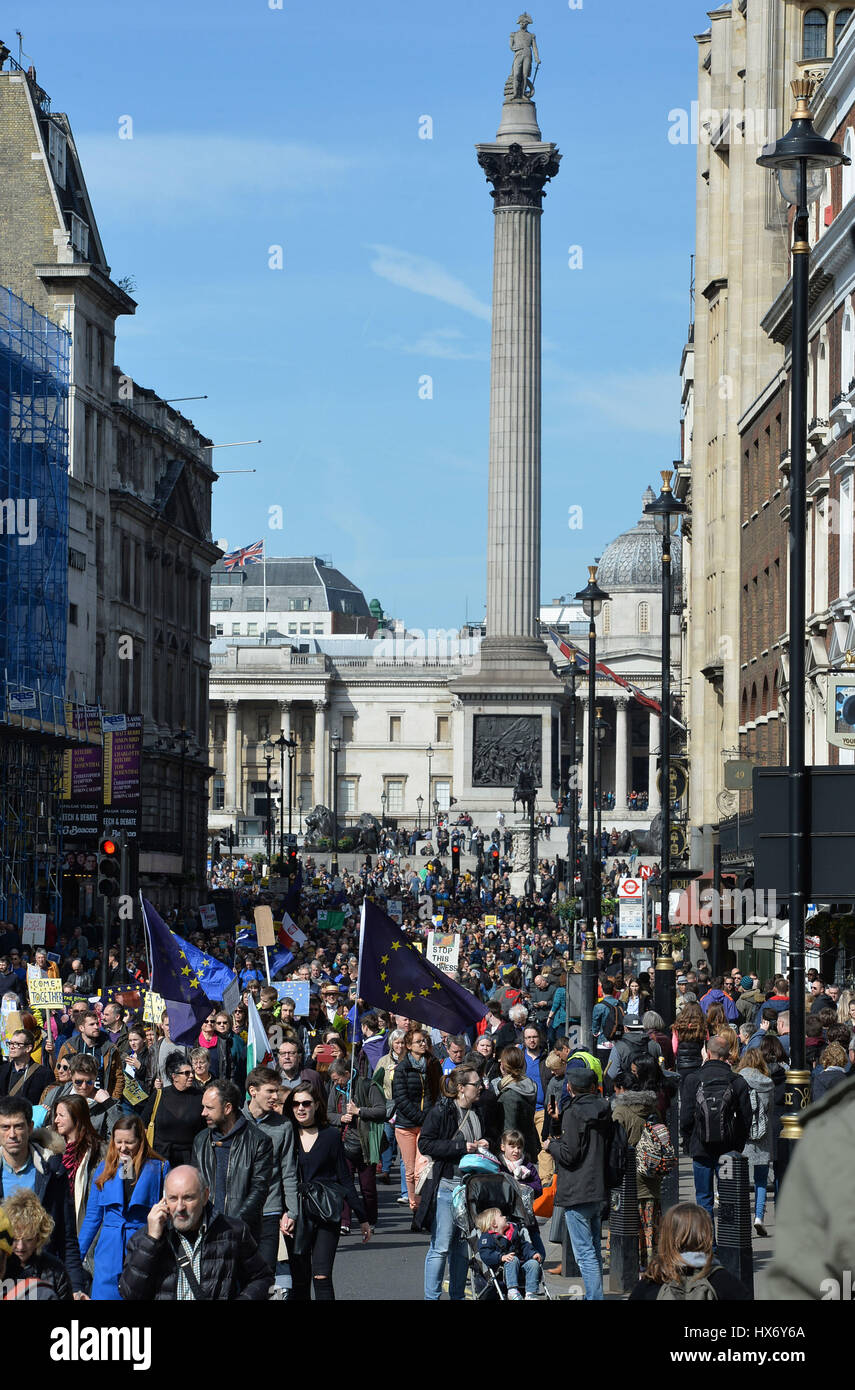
[(644, 617), (744, 719), (848, 174), (822, 389), (841, 19), (752, 708), (764, 701), (847, 347), (607, 618), (814, 34)]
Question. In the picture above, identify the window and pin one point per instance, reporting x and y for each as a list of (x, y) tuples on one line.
[(318, 629), (644, 617), (235, 629), (56, 153), (347, 723), (72, 614), (292, 628), (846, 536), (219, 793), (254, 605), (263, 727), (841, 19), (220, 605), (79, 235), (219, 728), (814, 34), (347, 605), (442, 794), (847, 358), (347, 795), (607, 618), (822, 392), (305, 629), (395, 728), (394, 798), (252, 629), (848, 173), (217, 630), (299, 605), (442, 728)]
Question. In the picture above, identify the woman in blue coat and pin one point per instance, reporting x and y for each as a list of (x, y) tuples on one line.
[(126, 1186)]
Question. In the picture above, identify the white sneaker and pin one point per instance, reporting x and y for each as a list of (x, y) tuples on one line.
[(402, 1201), (532, 1297), (514, 1296), (759, 1228)]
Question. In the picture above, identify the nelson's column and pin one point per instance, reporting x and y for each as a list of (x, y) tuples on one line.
[(508, 716)]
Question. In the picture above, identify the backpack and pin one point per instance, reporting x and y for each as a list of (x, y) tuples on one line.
[(633, 1050), (758, 1116), (654, 1152), (617, 1150), (689, 1290), (714, 1112), (615, 1028)]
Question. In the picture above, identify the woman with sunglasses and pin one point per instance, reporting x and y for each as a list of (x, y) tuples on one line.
[(177, 1113), (325, 1185), (60, 1086)]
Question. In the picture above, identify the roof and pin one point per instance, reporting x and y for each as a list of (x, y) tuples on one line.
[(299, 576), (633, 560)]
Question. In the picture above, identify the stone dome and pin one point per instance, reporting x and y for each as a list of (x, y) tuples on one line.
[(633, 561)]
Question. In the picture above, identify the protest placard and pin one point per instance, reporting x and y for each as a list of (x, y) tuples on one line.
[(46, 993)]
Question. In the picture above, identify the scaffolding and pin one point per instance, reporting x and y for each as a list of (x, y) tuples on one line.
[(34, 377)]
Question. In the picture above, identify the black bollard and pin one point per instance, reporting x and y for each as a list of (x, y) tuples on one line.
[(670, 1192), (623, 1231), (735, 1229), (589, 989)]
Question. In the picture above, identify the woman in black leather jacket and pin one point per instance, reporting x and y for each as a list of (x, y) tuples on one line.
[(415, 1090)]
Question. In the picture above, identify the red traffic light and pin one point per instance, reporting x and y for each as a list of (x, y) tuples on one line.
[(108, 847)]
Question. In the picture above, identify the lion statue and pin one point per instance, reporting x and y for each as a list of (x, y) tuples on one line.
[(319, 825), (367, 833)]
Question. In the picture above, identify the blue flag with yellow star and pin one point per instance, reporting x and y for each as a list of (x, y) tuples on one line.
[(393, 975), (188, 980)]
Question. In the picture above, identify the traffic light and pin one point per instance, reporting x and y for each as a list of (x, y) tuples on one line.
[(109, 868), (494, 859), (215, 852), (455, 859), (291, 865)]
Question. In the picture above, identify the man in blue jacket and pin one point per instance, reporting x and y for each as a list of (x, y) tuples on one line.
[(716, 995)]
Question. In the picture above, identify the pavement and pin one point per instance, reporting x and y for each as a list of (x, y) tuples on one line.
[(391, 1266)]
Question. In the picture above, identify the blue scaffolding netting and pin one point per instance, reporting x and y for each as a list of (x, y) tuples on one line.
[(34, 374)]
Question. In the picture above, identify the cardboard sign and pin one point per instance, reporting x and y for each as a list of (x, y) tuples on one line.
[(395, 910), (491, 921), (153, 1007), (208, 914), (299, 991), (231, 996), (133, 1092), (46, 994), (33, 930), (264, 929)]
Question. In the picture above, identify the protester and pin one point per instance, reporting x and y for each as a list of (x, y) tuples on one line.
[(715, 1116), (415, 1089), (450, 1130), (517, 1097), (684, 1266), (83, 1150), (325, 1184), (25, 1164), (758, 1146), (32, 1228), (125, 1187), (21, 1076), (174, 1113), (581, 1154), (187, 1252), (234, 1157)]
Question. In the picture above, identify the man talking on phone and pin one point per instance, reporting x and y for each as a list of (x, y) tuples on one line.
[(189, 1253)]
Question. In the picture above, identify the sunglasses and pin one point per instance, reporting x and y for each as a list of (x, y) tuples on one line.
[(83, 1080), (303, 1104)]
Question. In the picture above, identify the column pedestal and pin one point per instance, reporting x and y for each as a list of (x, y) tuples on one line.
[(621, 757), (654, 803)]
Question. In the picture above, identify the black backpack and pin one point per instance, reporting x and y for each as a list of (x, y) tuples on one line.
[(613, 1026), (633, 1050), (617, 1151), (715, 1112)]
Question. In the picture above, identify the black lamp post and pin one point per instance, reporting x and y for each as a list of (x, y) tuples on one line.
[(429, 752), (182, 738), (300, 811), (268, 758), (592, 598), (291, 744), (335, 745), (420, 801), (601, 731), (666, 512), (383, 807), (800, 159), (292, 778)]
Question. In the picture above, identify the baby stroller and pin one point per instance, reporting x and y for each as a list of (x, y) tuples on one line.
[(484, 1184)]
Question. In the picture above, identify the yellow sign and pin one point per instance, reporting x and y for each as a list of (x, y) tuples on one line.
[(490, 921), (133, 1092), (46, 993), (153, 1008)]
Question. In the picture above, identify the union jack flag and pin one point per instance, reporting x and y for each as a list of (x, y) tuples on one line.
[(251, 555), (573, 655)]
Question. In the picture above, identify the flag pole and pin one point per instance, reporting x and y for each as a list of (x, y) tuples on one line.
[(266, 963), (358, 994), (264, 604)]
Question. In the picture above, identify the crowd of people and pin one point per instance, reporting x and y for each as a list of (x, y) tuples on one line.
[(134, 1167)]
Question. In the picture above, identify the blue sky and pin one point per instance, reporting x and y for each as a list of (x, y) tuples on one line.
[(299, 128)]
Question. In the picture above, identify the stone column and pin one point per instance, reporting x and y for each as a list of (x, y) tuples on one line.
[(653, 801), (231, 800), (621, 755), (285, 718), (320, 753), (518, 175)]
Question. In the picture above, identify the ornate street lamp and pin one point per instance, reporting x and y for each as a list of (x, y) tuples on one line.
[(800, 159), (269, 749), (335, 745), (420, 801), (592, 598)]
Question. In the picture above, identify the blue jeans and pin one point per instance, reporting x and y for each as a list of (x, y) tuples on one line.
[(446, 1243), (704, 1175), (585, 1226), (388, 1153), (761, 1183), (531, 1270)]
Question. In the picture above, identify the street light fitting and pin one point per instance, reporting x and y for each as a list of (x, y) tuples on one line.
[(592, 597), (666, 510), (801, 157)]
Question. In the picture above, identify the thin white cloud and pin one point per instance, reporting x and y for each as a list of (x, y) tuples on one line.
[(424, 276), (644, 401), (448, 343), (164, 174)]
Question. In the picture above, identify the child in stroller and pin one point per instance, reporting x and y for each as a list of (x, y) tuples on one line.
[(486, 1187), (505, 1247)]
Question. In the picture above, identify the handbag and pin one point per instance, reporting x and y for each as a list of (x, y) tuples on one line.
[(149, 1133), (425, 1171), (322, 1202), (352, 1145), (543, 1205)]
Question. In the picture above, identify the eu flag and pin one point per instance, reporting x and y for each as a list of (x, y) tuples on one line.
[(393, 975), (189, 981)]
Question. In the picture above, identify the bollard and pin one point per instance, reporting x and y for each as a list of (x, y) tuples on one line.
[(623, 1231), (670, 1194), (735, 1230)]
